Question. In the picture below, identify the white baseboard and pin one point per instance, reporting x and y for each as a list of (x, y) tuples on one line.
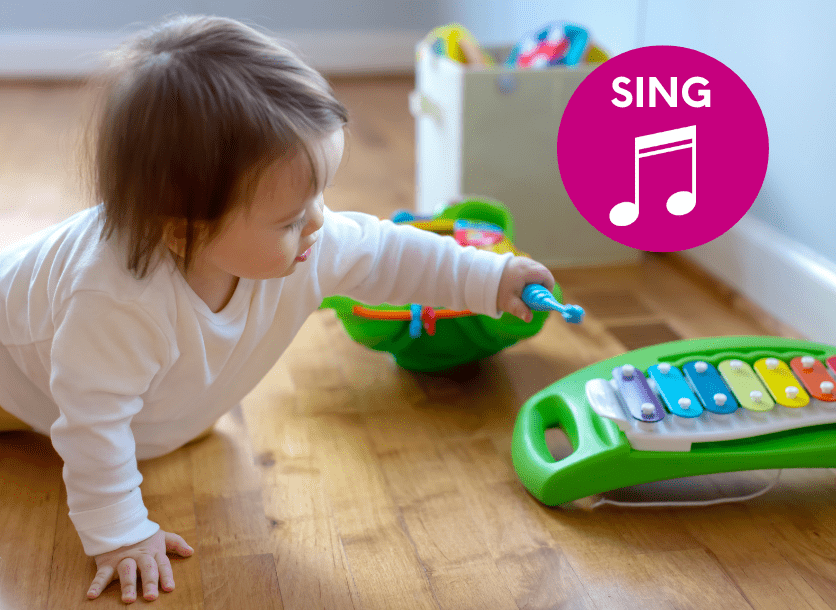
[(57, 54), (356, 52), (785, 278)]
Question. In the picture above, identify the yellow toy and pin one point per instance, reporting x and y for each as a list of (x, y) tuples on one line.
[(457, 43)]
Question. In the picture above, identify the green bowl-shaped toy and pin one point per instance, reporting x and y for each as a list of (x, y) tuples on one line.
[(457, 340)]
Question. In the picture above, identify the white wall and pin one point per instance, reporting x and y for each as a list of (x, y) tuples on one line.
[(56, 38), (781, 254), (279, 15), (784, 52)]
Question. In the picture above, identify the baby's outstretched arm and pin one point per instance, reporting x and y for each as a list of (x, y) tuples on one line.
[(519, 272), (149, 556)]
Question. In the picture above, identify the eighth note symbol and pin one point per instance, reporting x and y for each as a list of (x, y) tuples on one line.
[(680, 203)]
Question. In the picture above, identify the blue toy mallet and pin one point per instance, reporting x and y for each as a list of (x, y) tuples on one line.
[(538, 298)]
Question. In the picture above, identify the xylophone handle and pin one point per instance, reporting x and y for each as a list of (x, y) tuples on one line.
[(596, 442)]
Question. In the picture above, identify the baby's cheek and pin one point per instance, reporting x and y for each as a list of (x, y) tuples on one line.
[(284, 252)]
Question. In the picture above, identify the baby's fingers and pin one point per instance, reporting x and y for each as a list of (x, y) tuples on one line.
[(127, 576), (102, 579), (150, 577), (166, 573), (517, 307), (174, 543)]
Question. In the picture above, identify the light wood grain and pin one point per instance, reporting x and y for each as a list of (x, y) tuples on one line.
[(30, 496), (343, 481)]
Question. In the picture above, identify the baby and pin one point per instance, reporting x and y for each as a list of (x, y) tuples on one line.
[(128, 329)]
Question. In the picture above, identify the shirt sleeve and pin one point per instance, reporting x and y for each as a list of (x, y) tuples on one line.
[(105, 355), (376, 261)]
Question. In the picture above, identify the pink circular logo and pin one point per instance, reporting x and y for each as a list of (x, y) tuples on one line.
[(662, 148)]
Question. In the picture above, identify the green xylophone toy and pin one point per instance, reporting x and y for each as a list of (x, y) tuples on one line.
[(679, 409)]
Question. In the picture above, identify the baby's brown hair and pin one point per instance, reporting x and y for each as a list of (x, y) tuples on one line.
[(190, 112)]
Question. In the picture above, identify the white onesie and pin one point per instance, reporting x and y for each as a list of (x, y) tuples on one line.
[(116, 369)]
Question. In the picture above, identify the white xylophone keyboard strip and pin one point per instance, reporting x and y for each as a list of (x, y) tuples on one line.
[(678, 433)]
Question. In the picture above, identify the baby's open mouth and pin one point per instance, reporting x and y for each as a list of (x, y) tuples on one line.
[(304, 256)]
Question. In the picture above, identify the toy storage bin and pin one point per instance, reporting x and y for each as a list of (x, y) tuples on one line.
[(493, 133)]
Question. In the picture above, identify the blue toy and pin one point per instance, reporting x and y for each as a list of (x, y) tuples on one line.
[(553, 45), (538, 298), (556, 44)]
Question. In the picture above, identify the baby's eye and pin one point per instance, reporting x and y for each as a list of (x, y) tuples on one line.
[(297, 225)]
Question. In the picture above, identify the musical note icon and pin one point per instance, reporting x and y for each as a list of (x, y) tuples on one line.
[(680, 203)]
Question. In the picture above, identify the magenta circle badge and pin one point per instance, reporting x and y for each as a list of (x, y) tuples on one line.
[(662, 148)]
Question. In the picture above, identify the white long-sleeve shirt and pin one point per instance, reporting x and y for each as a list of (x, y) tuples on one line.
[(116, 369)]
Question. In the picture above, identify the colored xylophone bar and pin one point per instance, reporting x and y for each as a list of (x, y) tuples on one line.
[(672, 408)]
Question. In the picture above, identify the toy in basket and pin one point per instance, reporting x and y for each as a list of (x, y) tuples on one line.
[(555, 44), (428, 339), (707, 406)]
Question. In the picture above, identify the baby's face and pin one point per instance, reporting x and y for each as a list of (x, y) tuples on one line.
[(274, 236)]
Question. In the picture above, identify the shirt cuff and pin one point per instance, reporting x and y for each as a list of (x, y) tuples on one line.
[(482, 284), (111, 527)]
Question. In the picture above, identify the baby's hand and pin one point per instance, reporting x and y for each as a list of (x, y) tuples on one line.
[(519, 272), (149, 556)]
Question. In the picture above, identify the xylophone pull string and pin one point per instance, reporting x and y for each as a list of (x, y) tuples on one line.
[(691, 503), (539, 298)]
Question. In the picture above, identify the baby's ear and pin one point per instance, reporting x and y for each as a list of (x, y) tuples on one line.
[(175, 231), (174, 236)]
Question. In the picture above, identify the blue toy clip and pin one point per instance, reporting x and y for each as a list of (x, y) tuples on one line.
[(538, 298), (415, 322)]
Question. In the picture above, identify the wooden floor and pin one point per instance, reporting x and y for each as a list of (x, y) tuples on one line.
[(344, 482)]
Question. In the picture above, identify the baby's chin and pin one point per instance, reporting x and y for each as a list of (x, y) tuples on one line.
[(289, 271), (272, 275)]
